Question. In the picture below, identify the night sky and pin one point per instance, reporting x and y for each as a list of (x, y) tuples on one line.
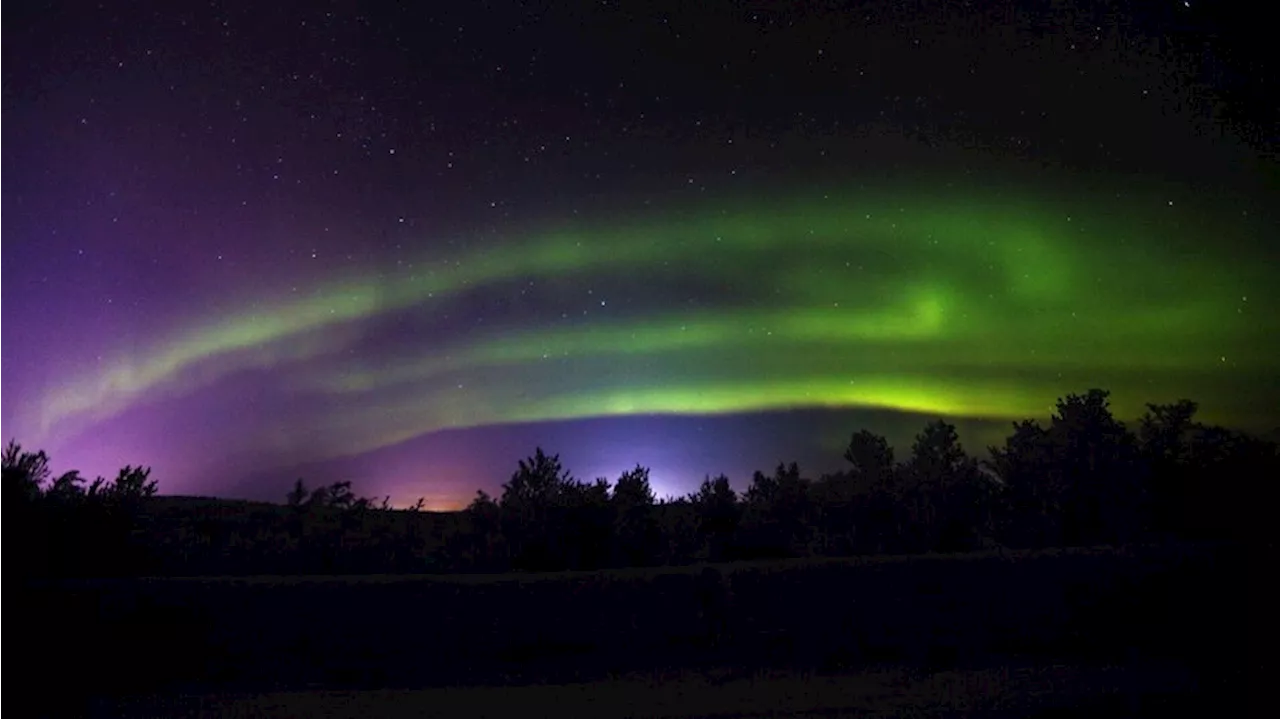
[(406, 243)]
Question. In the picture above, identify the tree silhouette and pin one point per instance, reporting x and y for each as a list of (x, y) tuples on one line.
[(1210, 509), (1082, 478), (717, 513), (23, 473), (636, 531), (947, 497), (680, 538), (777, 519), (68, 487), (132, 485), (839, 503), (877, 514), (1080, 481), (1030, 511), (298, 495), (532, 511), (319, 497), (870, 455), (585, 519), (1097, 457), (1166, 434), (117, 518), (338, 495), (80, 532), (481, 545)]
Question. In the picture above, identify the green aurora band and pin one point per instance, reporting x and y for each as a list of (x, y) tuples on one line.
[(980, 305)]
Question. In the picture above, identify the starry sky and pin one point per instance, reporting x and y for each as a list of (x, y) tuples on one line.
[(406, 243)]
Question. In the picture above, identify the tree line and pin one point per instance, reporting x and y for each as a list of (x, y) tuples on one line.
[(1084, 478)]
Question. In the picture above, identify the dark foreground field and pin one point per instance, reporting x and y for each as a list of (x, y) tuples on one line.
[(1107, 632), (1098, 692)]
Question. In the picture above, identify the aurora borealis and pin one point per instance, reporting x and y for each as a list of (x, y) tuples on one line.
[(697, 314)]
